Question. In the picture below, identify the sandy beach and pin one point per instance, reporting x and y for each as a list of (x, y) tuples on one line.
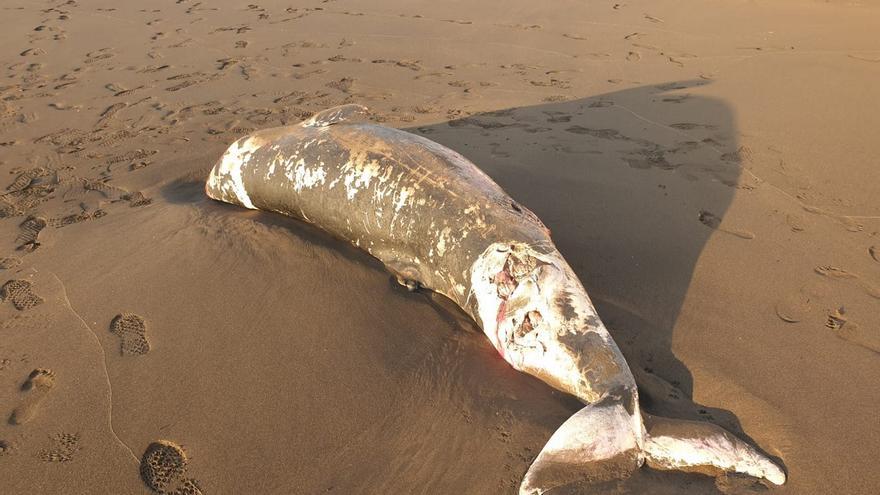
[(709, 169)]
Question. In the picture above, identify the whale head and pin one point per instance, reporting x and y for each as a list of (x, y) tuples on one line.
[(538, 316)]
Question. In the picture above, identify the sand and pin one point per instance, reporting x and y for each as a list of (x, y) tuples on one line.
[(708, 168)]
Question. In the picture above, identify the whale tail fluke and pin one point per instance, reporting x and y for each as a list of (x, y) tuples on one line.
[(700, 447), (605, 441), (601, 442)]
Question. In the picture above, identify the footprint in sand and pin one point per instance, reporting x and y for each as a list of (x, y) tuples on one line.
[(9, 262), (673, 60), (65, 445), (113, 193), (793, 308), (60, 105), (137, 198), (849, 223), (841, 274), (97, 55), (35, 388), (713, 222), (30, 233), (795, 221), (20, 293), (26, 178), (874, 251), (33, 51), (851, 331), (6, 448), (132, 332), (163, 469)]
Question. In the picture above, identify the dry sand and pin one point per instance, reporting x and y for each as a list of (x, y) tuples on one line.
[(710, 170)]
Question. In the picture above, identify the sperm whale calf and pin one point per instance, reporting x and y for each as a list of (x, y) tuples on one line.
[(438, 222)]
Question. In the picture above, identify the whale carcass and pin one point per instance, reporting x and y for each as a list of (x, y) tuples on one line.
[(438, 222)]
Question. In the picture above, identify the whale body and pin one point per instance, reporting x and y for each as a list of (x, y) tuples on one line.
[(438, 222)]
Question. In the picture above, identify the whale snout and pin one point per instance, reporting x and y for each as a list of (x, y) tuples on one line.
[(540, 319)]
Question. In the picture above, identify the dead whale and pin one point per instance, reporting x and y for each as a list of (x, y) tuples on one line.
[(438, 222)]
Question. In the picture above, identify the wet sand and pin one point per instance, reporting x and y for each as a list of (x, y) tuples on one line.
[(708, 169)]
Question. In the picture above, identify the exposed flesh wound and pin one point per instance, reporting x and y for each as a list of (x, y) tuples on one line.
[(515, 270)]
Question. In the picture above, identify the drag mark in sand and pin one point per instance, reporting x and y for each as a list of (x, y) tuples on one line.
[(863, 58), (106, 372)]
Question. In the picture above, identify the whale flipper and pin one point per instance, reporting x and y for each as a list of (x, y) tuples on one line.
[(700, 447), (336, 115)]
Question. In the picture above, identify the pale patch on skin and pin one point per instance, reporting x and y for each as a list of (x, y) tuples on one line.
[(359, 173), (441, 241), (226, 175), (403, 194), (304, 177)]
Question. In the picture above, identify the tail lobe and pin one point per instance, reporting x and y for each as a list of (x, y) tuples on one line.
[(601, 442), (700, 447), (605, 441)]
